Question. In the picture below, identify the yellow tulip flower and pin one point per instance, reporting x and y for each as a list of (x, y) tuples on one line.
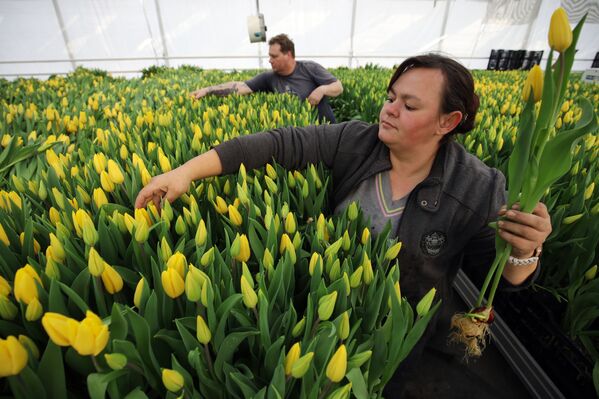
[(14, 356)]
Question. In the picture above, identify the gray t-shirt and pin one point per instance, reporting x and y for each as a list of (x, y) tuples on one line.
[(375, 197), (306, 76)]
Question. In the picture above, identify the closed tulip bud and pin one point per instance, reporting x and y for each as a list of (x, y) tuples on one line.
[(172, 283), (91, 336), (52, 270), (560, 32), (30, 346), (299, 327), (287, 246), (333, 248), (207, 258), (344, 326), (14, 356), (365, 236), (368, 273), (572, 219), (290, 226), (54, 215), (115, 173), (164, 250), (235, 216), (116, 361), (123, 152), (220, 205), (341, 393), (326, 305), (337, 365), (3, 237), (534, 83), (113, 282), (270, 171), (267, 259), (201, 234), (5, 287), (99, 161), (393, 251), (242, 171), (588, 193), (245, 271), (172, 380), (106, 182), (178, 262), (89, 232), (194, 280), (180, 226), (142, 231), (271, 185), (202, 331), (8, 310), (425, 303), (591, 273), (250, 299), (346, 242), (57, 248), (139, 292), (207, 294), (61, 329), (302, 365), (95, 263), (397, 290), (34, 310), (335, 270), (314, 260), (291, 357), (358, 359), (356, 277), (244, 249), (352, 211), (25, 284)]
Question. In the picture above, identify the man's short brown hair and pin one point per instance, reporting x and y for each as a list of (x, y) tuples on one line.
[(285, 42)]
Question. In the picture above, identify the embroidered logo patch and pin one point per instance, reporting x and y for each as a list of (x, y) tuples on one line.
[(433, 242)]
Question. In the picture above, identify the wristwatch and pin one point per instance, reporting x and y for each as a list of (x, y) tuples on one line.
[(526, 261)]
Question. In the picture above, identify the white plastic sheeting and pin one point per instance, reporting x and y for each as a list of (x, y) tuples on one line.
[(42, 37)]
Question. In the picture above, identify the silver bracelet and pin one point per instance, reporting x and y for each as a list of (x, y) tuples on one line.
[(522, 262)]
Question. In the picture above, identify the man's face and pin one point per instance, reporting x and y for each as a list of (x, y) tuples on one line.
[(279, 61)]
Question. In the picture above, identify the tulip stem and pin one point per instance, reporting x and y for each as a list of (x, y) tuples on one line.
[(208, 359), (257, 316), (314, 327), (135, 368), (96, 364), (326, 389), (180, 307)]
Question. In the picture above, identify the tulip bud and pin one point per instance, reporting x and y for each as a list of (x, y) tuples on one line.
[(89, 232), (359, 359), (534, 83), (341, 393), (220, 205), (91, 335), (34, 310), (5, 287), (326, 305), (591, 273), (588, 193), (244, 249), (172, 380), (250, 299), (61, 329), (113, 282), (290, 225), (139, 292), (25, 285), (287, 246), (572, 219), (393, 251), (368, 273), (352, 211), (234, 216), (337, 365), (105, 182), (268, 260), (115, 361), (314, 260), (333, 248), (193, 284), (291, 357), (207, 258), (114, 172), (14, 356), (57, 248), (425, 303), (560, 32), (3, 237), (8, 310), (299, 327), (178, 262), (203, 332), (301, 366), (201, 234), (335, 270), (343, 330), (172, 283), (95, 263), (142, 231), (365, 236), (30, 346), (356, 277)]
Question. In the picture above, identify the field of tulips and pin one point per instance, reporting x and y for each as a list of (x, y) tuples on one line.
[(243, 288)]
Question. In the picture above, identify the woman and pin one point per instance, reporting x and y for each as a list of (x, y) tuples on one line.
[(407, 170)]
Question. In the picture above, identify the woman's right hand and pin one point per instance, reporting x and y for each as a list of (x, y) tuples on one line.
[(167, 186)]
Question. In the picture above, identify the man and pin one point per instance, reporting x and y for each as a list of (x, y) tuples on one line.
[(305, 79)]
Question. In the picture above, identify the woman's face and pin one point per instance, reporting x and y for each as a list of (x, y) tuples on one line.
[(411, 116)]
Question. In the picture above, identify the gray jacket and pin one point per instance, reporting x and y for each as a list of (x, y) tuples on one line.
[(445, 222)]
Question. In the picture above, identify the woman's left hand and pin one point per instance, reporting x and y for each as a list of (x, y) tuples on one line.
[(524, 231)]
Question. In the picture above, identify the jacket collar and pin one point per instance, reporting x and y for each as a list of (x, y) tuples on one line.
[(428, 192)]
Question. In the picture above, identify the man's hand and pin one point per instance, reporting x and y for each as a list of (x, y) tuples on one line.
[(525, 231), (316, 96), (168, 186), (198, 93)]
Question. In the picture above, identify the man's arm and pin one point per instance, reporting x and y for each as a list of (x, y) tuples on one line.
[(222, 90), (330, 90)]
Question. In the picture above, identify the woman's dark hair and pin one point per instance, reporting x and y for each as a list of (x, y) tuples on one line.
[(458, 90)]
